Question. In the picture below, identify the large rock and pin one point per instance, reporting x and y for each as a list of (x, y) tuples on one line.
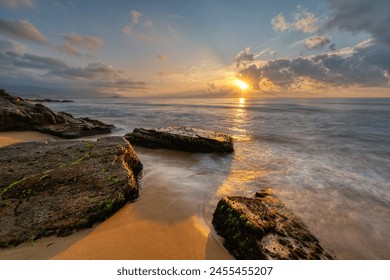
[(263, 228), (183, 139), (19, 114), (55, 187)]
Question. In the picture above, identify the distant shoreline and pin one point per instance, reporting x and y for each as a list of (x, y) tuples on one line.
[(49, 100)]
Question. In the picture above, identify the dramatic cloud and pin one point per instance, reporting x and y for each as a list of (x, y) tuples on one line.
[(244, 56), (317, 42), (303, 21), (135, 16), (49, 68), (368, 65), (365, 65), (86, 42), (22, 30), (17, 3), (362, 15)]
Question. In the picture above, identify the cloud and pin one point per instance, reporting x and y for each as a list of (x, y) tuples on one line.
[(265, 53), (332, 47), (128, 30), (32, 61), (211, 86), (279, 23), (303, 21), (18, 3), (21, 29), (244, 56), (135, 16), (85, 42), (368, 65), (148, 24), (49, 69), (69, 50), (147, 32), (317, 42), (11, 45), (148, 36), (362, 16), (161, 57)]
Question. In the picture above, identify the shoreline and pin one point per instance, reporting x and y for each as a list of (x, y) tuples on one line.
[(13, 137), (153, 227)]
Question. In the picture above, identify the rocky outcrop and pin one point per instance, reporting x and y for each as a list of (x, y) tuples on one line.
[(19, 114), (263, 228), (55, 187), (183, 139)]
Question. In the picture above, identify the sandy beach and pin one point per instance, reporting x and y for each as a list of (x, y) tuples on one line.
[(11, 137), (159, 225)]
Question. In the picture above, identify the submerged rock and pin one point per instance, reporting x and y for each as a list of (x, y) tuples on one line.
[(263, 228), (19, 114), (54, 187), (183, 139)]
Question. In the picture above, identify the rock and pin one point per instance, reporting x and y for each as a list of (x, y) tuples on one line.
[(19, 114), (47, 100), (183, 139), (263, 228), (55, 187)]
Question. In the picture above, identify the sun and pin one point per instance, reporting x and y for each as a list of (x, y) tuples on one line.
[(241, 84)]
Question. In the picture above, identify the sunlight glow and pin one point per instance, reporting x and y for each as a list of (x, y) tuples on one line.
[(241, 102), (241, 84)]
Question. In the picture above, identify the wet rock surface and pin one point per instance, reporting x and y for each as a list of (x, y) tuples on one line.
[(19, 114), (55, 187), (263, 228), (183, 139)]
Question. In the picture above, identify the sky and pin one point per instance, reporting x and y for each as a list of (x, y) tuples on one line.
[(148, 48)]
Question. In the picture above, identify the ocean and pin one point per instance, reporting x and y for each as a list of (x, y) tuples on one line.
[(327, 159)]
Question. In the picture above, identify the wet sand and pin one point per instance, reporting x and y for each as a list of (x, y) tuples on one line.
[(166, 222), (11, 137)]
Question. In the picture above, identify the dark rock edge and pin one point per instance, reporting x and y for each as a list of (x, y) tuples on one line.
[(262, 228), (152, 138)]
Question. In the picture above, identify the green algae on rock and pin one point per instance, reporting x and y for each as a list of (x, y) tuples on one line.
[(263, 228), (55, 187)]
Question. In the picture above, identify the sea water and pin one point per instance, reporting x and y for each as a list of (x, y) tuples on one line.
[(327, 159)]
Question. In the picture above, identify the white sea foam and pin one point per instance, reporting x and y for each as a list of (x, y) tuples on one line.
[(327, 159)]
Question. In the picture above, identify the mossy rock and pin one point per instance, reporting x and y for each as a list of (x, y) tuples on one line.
[(55, 187), (263, 228)]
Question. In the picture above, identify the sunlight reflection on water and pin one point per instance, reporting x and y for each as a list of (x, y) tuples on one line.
[(327, 159)]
